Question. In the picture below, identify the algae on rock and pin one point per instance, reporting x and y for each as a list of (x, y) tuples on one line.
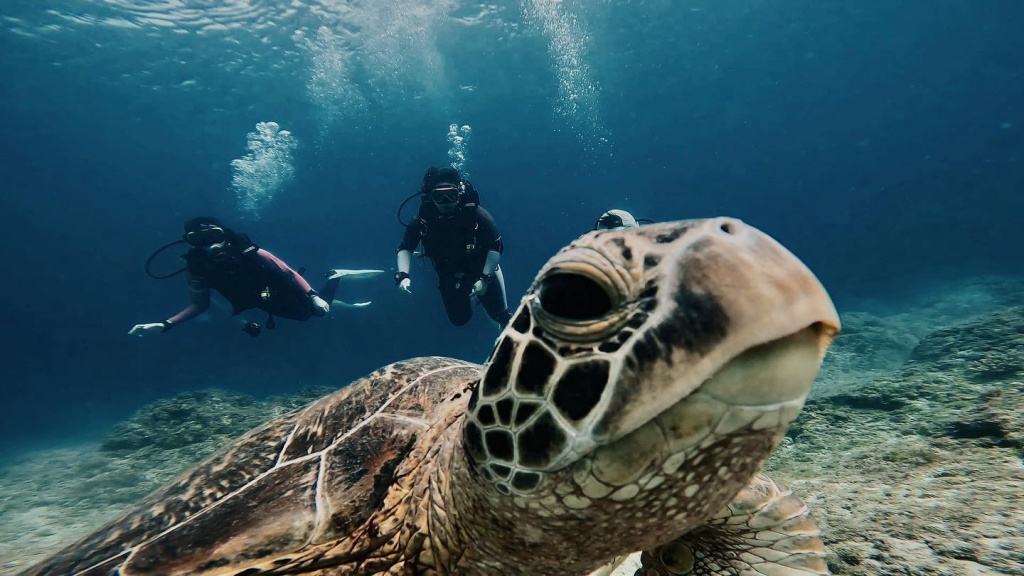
[(200, 417)]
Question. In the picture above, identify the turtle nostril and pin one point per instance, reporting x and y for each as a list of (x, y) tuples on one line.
[(726, 227)]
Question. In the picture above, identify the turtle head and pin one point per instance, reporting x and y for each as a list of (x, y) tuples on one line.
[(674, 354)]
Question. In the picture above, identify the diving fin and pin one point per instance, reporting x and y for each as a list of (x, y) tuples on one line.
[(352, 274), (341, 304)]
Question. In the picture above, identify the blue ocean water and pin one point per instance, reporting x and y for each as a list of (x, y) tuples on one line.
[(879, 141)]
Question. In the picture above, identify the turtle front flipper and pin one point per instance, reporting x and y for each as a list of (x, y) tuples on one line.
[(766, 531)]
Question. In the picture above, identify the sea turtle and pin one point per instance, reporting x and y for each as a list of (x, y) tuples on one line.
[(622, 417)]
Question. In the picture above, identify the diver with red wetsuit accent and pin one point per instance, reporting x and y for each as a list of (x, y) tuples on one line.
[(248, 277)]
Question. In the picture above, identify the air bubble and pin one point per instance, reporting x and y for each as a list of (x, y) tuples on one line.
[(259, 175)]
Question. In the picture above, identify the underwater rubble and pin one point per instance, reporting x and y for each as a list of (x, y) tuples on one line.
[(921, 471)]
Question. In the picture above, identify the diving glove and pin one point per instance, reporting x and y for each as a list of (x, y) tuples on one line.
[(321, 305), (479, 287), (141, 330)]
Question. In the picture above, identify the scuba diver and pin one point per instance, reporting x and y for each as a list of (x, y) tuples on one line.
[(619, 220), (462, 243), (247, 276)]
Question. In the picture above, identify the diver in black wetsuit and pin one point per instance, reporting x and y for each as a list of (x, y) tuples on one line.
[(619, 220), (462, 242)]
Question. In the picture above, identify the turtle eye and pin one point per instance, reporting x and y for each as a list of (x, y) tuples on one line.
[(574, 297)]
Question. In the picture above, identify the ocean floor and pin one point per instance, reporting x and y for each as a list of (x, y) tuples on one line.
[(910, 450)]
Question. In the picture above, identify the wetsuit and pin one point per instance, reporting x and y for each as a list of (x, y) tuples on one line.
[(457, 245), (249, 278)]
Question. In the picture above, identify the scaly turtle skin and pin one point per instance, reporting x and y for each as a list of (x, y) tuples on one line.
[(619, 425)]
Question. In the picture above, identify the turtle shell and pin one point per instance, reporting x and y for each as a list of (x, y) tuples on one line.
[(305, 478)]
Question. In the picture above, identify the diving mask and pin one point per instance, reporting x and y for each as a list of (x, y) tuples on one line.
[(205, 236), (608, 221), (445, 194)]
